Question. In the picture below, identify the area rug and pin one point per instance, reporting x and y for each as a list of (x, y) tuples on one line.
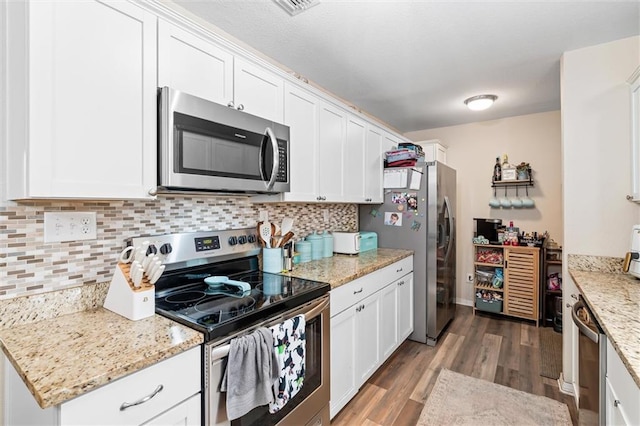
[(550, 353), (457, 399)]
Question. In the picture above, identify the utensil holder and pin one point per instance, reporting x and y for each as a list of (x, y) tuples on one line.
[(272, 260), (128, 301)]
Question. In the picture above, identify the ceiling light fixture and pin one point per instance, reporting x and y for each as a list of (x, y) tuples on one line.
[(480, 102), (296, 6)]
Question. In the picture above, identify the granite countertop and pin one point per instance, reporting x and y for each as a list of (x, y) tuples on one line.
[(64, 357), (342, 268), (614, 298)]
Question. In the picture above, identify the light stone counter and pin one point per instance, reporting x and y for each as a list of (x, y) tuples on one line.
[(342, 268), (64, 357), (614, 299)]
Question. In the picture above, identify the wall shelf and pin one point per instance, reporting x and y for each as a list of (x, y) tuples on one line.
[(501, 183)]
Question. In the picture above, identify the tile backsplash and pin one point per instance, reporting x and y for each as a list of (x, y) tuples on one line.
[(29, 266)]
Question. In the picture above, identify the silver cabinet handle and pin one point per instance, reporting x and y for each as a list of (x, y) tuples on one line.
[(616, 403), (398, 270), (362, 306), (358, 291), (574, 296), (126, 405), (231, 104), (401, 283), (359, 308), (240, 107)]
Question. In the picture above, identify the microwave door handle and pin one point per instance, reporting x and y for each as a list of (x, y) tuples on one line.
[(276, 158)]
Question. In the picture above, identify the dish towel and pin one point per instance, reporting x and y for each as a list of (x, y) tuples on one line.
[(252, 369), (289, 346)]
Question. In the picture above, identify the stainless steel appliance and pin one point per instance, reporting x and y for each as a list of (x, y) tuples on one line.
[(204, 146), (592, 365), (419, 214), (238, 300)]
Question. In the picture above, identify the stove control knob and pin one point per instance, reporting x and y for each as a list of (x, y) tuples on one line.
[(151, 249), (251, 238), (233, 241), (166, 248), (242, 239)]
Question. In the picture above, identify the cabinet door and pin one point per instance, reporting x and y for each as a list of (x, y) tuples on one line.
[(388, 320), (373, 162), (343, 359), (184, 414), (405, 307), (368, 337), (389, 142), (301, 115), (634, 82), (331, 137), (353, 171), (521, 282), (193, 65), (92, 127), (257, 91)]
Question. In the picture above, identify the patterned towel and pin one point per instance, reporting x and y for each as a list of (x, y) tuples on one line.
[(289, 346)]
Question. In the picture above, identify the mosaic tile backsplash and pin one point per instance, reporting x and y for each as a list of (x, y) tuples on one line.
[(29, 266)]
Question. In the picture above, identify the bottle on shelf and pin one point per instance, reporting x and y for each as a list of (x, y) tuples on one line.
[(497, 170), (505, 161)]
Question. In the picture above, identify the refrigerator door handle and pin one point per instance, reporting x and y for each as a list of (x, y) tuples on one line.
[(451, 231)]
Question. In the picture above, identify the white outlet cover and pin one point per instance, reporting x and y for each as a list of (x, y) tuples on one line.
[(69, 226)]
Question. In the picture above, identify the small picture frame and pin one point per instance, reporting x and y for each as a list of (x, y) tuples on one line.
[(509, 174)]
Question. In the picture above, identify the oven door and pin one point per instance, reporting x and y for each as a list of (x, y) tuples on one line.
[(311, 403), (207, 146)]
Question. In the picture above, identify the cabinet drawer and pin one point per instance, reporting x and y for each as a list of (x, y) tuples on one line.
[(180, 377), (624, 388), (356, 290)]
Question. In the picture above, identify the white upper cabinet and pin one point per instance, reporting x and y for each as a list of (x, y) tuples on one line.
[(634, 82), (192, 64), (332, 134), (81, 113), (257, 91), (373, 162), (354, 159), (301, 110)]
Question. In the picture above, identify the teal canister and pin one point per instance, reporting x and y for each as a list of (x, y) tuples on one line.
[(327, 240), (303, 248), (317, 246)]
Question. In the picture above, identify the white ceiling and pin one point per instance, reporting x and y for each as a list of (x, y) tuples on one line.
[(412, 63)]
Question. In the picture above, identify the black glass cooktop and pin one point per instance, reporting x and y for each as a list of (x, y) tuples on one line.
[(224, 306)]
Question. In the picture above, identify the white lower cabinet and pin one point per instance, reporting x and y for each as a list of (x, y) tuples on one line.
[(165, 393), (622, 393), (370, 317)]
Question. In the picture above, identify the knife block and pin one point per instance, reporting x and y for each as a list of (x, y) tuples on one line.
[(126, 300)]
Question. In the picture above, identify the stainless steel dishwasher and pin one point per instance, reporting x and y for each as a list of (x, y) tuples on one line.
[(592, 365)]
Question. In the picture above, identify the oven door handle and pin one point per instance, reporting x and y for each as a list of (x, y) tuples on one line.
[(311, 312)]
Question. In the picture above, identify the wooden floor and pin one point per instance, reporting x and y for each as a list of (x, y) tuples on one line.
[(498, 349)]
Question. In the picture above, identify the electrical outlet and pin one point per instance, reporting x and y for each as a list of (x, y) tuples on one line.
[(263, 215), (469, 278), (69, 226), (325, 215)]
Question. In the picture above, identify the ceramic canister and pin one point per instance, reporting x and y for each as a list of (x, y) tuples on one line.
[(327, 240), (317, 246)]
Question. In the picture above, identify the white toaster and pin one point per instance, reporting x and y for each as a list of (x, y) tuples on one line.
[(346, 242), (632, 259)]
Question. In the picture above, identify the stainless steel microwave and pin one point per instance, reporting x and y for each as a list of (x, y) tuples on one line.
[(204, 146)]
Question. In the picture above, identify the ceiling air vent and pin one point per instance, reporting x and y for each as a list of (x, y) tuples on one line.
[(296, 6)]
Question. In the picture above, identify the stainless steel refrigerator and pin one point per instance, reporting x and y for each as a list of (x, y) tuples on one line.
[(419, 214)]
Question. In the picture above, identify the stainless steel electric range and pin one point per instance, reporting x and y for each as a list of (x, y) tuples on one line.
[(213, 283)]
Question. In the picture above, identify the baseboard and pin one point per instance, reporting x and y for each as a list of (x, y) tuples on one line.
[(463, 302), (566, 387)]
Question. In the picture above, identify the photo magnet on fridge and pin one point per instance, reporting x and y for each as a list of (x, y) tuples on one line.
[(392, 219)]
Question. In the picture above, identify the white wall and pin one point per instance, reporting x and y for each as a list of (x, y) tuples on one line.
[(472, 151), (596, 161)]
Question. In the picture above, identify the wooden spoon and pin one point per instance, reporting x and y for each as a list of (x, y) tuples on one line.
[(287, 237)]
